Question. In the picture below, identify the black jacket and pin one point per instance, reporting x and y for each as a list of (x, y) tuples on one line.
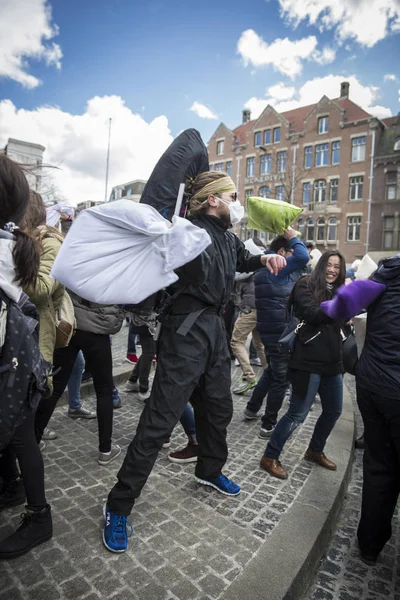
[(318, 347), (378, 368), (210, 278)]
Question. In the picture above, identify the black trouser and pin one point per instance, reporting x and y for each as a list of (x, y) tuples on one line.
[(142, 368), (96, 349), (193, 367), (23, 446), (381, 485)]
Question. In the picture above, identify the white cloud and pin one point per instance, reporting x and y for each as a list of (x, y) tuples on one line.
[(390, 77), (25, 30), (365, 21), (286, 56), (325, 57), (202, 111), (312, 91), (280, 91), (78, 143)]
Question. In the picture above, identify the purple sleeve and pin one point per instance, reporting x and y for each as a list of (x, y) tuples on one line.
[(351, 299)]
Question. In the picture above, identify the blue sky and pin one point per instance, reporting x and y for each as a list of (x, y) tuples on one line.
[(161, 57)]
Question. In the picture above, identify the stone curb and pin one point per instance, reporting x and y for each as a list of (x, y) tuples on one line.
[(120, 374), (285, 565)]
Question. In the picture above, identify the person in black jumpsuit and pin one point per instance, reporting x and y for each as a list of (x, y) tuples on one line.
[(193, 358)]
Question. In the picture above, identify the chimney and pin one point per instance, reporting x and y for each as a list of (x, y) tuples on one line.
[(344, 89), (246, 116)]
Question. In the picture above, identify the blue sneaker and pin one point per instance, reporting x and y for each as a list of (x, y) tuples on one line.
[(115, 536), (116, 399), (222, 484)]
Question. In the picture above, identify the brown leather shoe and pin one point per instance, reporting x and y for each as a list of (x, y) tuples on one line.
[(320, 459), (273, 467)]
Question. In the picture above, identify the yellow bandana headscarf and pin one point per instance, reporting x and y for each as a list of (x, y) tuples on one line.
[(219, 186)]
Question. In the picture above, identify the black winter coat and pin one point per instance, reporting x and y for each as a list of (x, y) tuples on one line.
[(318, 347), (378, 369), (210, 278)]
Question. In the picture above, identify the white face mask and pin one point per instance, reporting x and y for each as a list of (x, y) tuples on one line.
[(236, 210)]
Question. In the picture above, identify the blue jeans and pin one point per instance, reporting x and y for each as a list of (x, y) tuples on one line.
[(74, 382), (188, 423), (273, 384), (330, 389), (131, 341)]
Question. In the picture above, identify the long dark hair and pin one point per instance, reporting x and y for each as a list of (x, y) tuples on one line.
[(317, 280), (14, 201)]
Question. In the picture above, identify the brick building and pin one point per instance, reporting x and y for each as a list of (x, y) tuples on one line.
[(317, 157)]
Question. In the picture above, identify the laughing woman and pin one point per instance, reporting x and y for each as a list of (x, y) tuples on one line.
[(315, 366)]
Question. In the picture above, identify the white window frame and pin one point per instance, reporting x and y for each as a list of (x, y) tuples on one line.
[(259, 133), (310, 223), (331, 187), (391, 185), (321, 223), (281, 156), (266, 161), (220, 144), (319, 191), (275, 129), (335, 149), (322, 153), (335, 225), (356, 185), (270, 137), (358, 151), (277, 194), (220, 166), (253, 159), (229, 162), (308, 154), (267, 187), (307, 183), (324, 121), (354, 227)]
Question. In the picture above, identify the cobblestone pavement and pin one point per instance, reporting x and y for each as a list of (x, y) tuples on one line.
[(189, 541), (342, 576)]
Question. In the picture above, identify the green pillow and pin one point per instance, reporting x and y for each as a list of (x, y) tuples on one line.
[(269, 215)]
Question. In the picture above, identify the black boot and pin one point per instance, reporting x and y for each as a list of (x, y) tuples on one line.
[(35, 528), (359, 443), (12, 493)]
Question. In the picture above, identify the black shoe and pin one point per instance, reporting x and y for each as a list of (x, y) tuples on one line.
[(35, 528), (359, 444), (12, 493), (369, 560)]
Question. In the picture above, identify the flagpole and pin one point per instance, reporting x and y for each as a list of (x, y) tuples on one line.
[(108, 158)]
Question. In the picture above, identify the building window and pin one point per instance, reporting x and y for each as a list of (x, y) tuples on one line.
[(281, 161), (356, 187), (280, 192), (397, 145), (248, 193), (334, 190), (301, 224), (267, 136), (264, 191), (277, 135), (229, 168), (391, 185), (320, 230), (335, 153), (220, 148), (320, 191), (332, 229), (353, 229), (323, 125), (219, 166), (358, 149), (257, 138), (306, 193), (308, 152), (266, 164), (321, 155), (250, 166), (310, 230), (388, 233)]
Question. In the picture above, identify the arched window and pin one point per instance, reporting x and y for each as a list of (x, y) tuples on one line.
[(301, 226), (397, 145), (264, 191), (332, 229), (320, 190), (310, 230), (320, 230)]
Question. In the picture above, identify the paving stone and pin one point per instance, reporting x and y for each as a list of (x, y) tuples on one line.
[(212, 585), (44, 591), (185, 590)]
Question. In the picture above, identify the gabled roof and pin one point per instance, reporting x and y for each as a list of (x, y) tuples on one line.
[(241, 132), (297, 116), (390, 121)]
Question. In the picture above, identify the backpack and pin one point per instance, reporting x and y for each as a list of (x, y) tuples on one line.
[(64, 319), (23, 370)]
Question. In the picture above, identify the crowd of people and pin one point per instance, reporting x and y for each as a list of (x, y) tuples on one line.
[(275, 295)]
